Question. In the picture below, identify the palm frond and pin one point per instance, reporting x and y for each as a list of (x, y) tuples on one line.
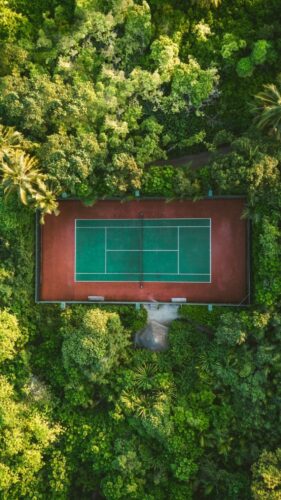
[(268, 110), (144, 374), (20, 174), (9, 138)]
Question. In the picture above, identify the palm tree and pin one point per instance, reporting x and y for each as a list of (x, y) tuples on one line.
[(10, 140), (46, 203), (20, 174), (268, 110), (143, 375)]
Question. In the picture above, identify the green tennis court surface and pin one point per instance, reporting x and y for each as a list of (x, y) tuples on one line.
[(174, 250)]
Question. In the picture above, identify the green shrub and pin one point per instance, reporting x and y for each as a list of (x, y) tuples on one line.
[(6, 290), (9, 335), (171, 182), (131, 318), (245, 67), (230, 45), (202, 315), (158, 181), (260, 51), (267, 258)]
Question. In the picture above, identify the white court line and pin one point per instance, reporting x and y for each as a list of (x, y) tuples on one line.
[(137, 281), (143, 250), (178, 249), (105, 249), (139, 227), (154, 218), (166, 274)]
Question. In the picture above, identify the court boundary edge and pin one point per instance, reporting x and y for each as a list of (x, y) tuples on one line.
[(249, 262), (38, 254), (246, 302), (132, 303)]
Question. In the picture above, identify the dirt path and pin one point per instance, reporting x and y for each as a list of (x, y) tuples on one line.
[(195, 160)]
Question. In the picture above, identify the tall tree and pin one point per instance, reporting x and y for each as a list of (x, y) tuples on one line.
[(94, 343), (20, 173), (267, 476), (25, 436)]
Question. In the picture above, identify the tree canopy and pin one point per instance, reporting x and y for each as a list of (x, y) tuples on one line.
[(93, 93)]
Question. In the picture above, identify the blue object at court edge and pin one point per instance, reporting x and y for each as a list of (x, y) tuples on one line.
[(210, 193), (138, 306), (210, 307)]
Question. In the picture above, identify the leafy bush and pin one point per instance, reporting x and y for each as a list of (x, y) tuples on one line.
[(201, 314), (9, 335), (230, 45), (267, 476), (158, 181), (245, 67), (171, 182), (6, 279), (267, 253), (132, 319), (260, 51)]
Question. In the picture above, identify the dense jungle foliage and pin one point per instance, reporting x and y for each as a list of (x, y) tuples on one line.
[(93, 93)]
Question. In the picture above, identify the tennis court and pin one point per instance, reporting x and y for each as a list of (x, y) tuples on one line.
[(143, 250)]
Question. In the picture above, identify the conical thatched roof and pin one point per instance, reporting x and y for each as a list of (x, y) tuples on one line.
[(154, 336)]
